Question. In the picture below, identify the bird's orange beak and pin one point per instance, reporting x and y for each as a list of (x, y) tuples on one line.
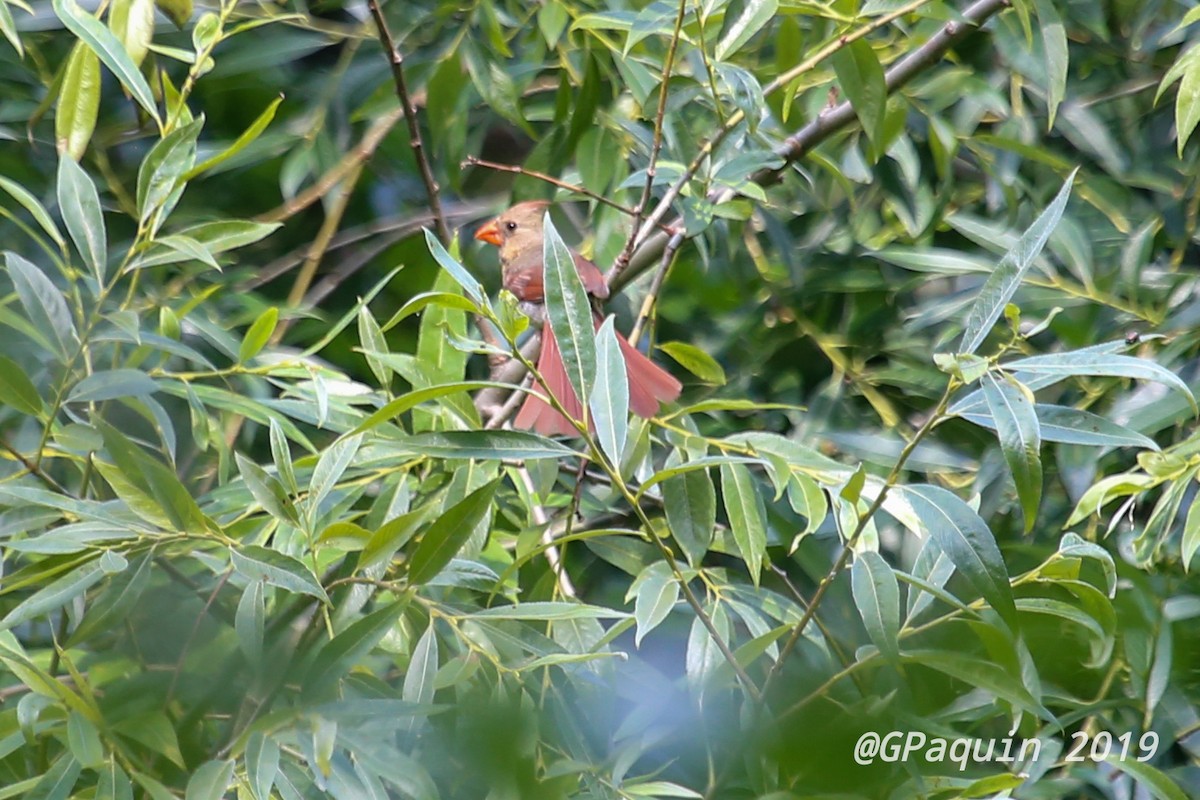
[(490, 233)]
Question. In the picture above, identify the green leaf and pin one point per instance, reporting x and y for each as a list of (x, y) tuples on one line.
[(114, 783), (1020, 438), (1152, 778), (610, 394), (966, 539), (1054, 42), (79, 205), (112, 384), (55, 595), (755, 15), (1191, 535), (34, 207), (695, 361), (78, 102), (980, 674), (44, 305), (266, 490), (163, 168), (517, 445), (16, 390), (257, 563), (655, 593), (449, 533), (111, 52), (330, 467), (132, 22), (877, 595), (659, 789), (1074, 426), (249, 623), (210, 780), (457, 271), (84, 741), (690, 502), (1079, 362), (281, 454), (58, 781), (258, 334), (349, 647), (8, 27), (747, 516), (569, 312), (1002, 284), (248, 136), (262, 764), (861, 78), (422, 669), (546, 611)]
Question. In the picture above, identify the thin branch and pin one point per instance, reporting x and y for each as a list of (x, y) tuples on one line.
[(664, 266), (361, 152), (410, 116), (553, 556), (319, 246), (651, 245), (34, 469), (472, 161), (656, 145), (930, 423)]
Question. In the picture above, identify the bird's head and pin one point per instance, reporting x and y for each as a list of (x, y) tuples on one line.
[(517, 230)]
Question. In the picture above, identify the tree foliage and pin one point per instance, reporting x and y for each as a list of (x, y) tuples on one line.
[(927, 267)]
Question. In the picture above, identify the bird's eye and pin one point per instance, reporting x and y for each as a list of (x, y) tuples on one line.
[(511, 226)]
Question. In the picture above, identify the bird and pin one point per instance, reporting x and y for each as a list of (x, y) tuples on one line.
[(518, 234)]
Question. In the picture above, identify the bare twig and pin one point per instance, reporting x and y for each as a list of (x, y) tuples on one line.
[(553, 557), (34, 469), (410, 117), (656, 145), (472, 161), (320, 245), (664, 266)]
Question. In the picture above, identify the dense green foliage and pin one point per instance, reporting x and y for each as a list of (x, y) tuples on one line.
[(926, 268)]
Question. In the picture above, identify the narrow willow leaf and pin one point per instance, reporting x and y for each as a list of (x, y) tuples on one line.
[(695, 361), (546, 611), (1070, 364), (266, 490), (1074, 426), (114, 783), (210, 780), (330, 466), (112, 384), (610, 395), (861, 78), (16, 390), (257, 563), (110, 50), (747, 516), (1160, 785), (1002, 284), (932, 567), (54, 595), (44, 305), (755, 15), (422, 667), (449, 533), (34, 207), (654, 593), (248, 136), (569, 312), (132, 22), (1020, 438), (690, 502), (84, 741), (262, 764), (978, 673), (8, 27), (281, 454), (78, 103), (258, 334), (1054, 44), (483, 444), (341, 653), (447, 262), (877, 595), (249, 622), (161, 173), (965, 538)]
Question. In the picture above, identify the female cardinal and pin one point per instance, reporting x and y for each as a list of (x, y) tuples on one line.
[(518, 234)]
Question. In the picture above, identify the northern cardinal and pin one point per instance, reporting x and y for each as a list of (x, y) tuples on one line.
[(518, 234)]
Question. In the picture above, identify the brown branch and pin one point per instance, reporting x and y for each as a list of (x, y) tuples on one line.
[(352, 160), (803, 141), (515, 169), (34, 469), (410, 116), (664, 266), (656, 146)]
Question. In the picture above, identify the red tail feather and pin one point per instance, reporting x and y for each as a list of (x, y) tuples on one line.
[(649, 385)]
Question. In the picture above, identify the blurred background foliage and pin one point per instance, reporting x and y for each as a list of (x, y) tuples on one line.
[(931, 287)]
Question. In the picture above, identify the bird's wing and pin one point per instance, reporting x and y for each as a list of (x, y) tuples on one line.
[(523, 276)]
